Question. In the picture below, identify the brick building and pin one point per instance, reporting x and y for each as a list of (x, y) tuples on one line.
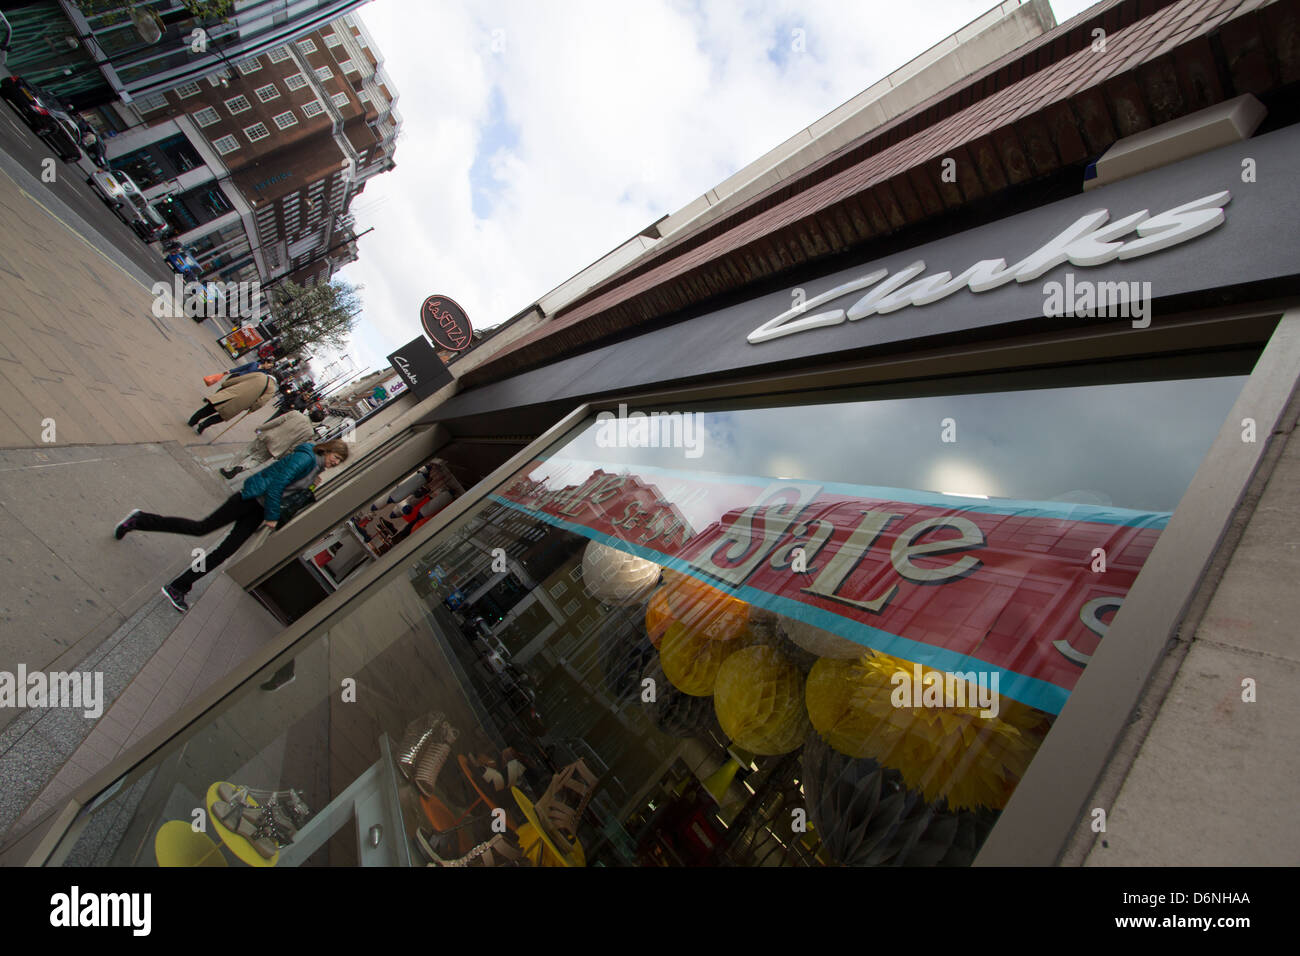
[(256, 164)]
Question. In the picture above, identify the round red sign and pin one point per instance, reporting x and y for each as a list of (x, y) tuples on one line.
[(446, 323)]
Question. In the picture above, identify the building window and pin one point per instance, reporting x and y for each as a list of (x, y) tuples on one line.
[(313, 108), (226, 144), (154, 101), (207, 116), (332, 39), (188, 89), (256, 131), (361, 41), (251, 65), (340, 99), (238, 104), (347, 66), (363, 96), (324, 73), (267, 93), (286, 119), (295, 82), (279, 54), (307, 46)]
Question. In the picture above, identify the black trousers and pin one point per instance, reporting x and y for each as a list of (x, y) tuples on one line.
[(247, 516), (205, 417)]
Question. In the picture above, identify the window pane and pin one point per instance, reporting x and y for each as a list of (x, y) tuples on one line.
[(867, 609)]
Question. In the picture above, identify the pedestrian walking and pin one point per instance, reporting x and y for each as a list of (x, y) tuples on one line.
[(256, 505), (240, 393), (276, 439)]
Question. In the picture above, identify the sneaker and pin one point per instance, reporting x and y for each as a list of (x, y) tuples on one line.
[(126, 524), (177, 597), (229, 473)]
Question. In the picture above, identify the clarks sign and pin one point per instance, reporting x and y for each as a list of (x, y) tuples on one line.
[(446, 323), (1090, 241)]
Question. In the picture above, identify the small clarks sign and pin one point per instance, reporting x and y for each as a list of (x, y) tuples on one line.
[(1092, 240), (446, 323)]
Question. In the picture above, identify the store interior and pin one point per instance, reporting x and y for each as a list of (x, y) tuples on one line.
[(524, 688)]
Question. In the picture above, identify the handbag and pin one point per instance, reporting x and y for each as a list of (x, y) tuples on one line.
[(294, 501), (299, 495)]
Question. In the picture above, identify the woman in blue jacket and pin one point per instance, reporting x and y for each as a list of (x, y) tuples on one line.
[(256, 505)]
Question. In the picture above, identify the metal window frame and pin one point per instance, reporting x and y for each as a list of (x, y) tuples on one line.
[(1039, 821)]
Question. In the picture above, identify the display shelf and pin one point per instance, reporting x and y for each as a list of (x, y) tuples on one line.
[(372, 802)]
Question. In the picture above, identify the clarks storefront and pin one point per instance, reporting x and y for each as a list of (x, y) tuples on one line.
[(870, 572)]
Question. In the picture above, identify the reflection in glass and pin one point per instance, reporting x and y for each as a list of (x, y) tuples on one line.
[(820, 634)]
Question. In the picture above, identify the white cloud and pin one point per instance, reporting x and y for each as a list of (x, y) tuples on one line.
[(620, 113)]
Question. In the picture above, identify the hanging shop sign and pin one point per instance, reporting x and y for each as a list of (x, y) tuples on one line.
[(1089, 241), (420, 368), (1007, 587), (446, 323)]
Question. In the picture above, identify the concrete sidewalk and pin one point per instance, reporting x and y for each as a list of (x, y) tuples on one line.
[(79, 343)]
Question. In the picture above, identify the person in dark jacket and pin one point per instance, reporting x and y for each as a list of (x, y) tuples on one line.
[(256, 505)]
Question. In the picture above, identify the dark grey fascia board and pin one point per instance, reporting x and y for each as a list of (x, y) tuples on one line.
[(1050, 802), (1253, 250)]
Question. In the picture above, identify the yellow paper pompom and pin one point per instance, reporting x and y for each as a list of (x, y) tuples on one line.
[(758, 698), (690, 660), (703, 609), (945, 751)]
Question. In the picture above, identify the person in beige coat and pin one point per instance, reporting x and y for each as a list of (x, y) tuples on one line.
[(239, 393), (276, 439)]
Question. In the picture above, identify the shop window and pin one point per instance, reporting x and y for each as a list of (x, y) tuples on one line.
[(151, 102), (888, 597)]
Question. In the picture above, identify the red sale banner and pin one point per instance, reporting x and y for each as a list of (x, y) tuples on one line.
[(1026, 589)]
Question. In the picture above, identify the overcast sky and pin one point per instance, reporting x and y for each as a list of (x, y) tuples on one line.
[(538, 136)]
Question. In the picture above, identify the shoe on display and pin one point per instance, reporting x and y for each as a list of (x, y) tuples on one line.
[(126, 525), (234, 817), (176, 596), (229, 473)]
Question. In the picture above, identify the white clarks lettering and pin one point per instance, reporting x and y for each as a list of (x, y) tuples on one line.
[(1089, 241), (102, 909)]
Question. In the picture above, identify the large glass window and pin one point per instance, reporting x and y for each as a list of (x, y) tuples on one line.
[(808, 633)]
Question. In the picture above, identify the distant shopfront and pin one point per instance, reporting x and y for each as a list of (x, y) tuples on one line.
[(805, 581)]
